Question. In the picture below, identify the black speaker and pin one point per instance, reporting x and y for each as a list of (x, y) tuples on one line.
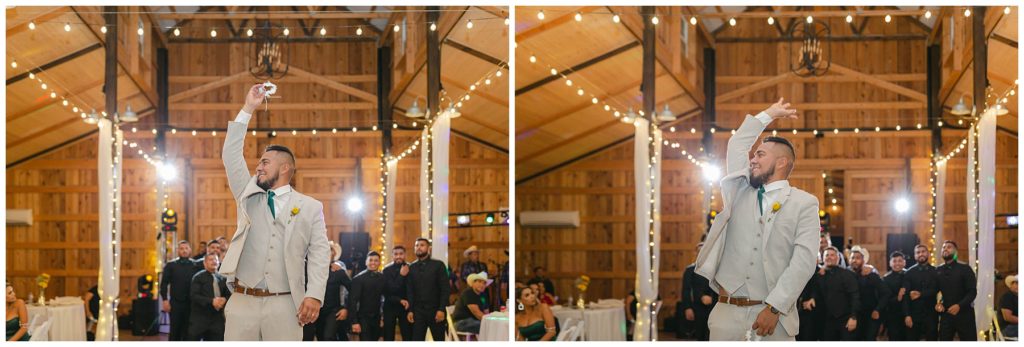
[(145, 317), (903, 242), (354, 246)]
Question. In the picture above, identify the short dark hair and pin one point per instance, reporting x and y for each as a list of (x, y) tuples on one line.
[(921, 246), (538, 268), (897, 254), (831, 248), (951, 242), (373, 254), (399, 247), (185, 242), (781, 140), (424, 239), (214, 241), (200, 242), (280, 148)]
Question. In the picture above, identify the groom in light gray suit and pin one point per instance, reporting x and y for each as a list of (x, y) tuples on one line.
[(761, 249), (278, 261)]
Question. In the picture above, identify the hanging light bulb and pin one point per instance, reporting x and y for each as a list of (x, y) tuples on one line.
[(666, 115), (732, 21), (507, 21), (177, 32), (397, 28), (433, 26), (771, 20), (415, 111), (578, 17), (927, 14), (286, 31), (540, 15), (498, 73), (141, 31), (554, 72), (469, 24), (213, 32), (65, 102), (67, 27), (849, 18), (568, 82), (888, 18), (53, 95), (615, 18), (654, 20), (92, 118), (129, 115), (960, 109), (630, 116), (810, 19), (452, 112), (533, 58), (693, 20), (32, 25), (1001, 110), (967, 12), (593, 100), (323, 31), (248, 32), (487, 81), (43, 86), (103, 29), (359, 31), (74, 109), (579, 92), (14, 64), (1006, 10)]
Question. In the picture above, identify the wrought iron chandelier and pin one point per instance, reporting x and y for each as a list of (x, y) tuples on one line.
[(810, 47), (270, 58)]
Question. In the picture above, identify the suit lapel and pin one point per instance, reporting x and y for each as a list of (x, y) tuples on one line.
[(769, 218), (290, 221)]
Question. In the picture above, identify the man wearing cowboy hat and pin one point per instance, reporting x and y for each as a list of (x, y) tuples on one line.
[(759, 252), (874, 295), (1008, 308), (473, 264), (472, 304)]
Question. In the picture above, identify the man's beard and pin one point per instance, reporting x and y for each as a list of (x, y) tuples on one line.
[(758, 181), (422, 255), (268, 183), (922, 260), (948, 256)]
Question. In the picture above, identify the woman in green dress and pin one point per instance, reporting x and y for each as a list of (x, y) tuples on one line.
[(534, 320), (17, 317)]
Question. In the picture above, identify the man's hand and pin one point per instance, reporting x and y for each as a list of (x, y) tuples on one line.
[(405, 304), (809, 304), (705, 299), (939, 308), (254, 98), (908, 322), (409, 316), (821, 271), (439, 316), (689, 314), (308, 311), (404, 271), (219, 302), (342, 314), (167, 306), (765, 323), (914, 295), (953, 310), (356, 328), (866, 269), (899, 297), (851, 324), (780, 110), (874, 314), (335, 267)]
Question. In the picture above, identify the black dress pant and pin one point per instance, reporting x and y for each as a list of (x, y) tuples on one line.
[(895, 327), (206, 332), (423, 321), (179, 321), (393, 317), (369, 329), (961, 325), (835, 330), (325, 328), (701, 332), (867, 328), (925, 327)]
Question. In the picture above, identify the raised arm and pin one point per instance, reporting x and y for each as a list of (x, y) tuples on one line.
[(738, 153), (233, 154)]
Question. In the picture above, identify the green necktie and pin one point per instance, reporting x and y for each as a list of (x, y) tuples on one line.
[(270, 202), (760, 199)]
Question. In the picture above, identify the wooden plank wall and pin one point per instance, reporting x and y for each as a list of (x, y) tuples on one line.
[(869, 169)]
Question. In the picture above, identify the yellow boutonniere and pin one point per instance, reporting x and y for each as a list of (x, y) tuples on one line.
[(776, 206), (295, 211)]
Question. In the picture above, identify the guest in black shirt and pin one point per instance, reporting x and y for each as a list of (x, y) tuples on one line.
[(209, 293), (874, 294), (365, 299), (427, 292), (839, 291), (1008, 308), (329, 324), (921, 285), (812, 315), (472, 305), (396, 304), (698, 300), (957, 283), (895, 311), (177, 275), (202, 252)]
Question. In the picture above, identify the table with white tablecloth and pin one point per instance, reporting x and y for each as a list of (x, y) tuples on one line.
[(494, 327), (605, 323), (68, 320)]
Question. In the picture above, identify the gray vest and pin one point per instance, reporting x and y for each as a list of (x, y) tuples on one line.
[(261, 264), (741, 269)]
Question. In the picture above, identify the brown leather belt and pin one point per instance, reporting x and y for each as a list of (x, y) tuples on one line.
[(742, 302), (254, 291)]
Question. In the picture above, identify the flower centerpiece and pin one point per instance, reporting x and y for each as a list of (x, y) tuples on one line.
[(582, 283), (43, 281)]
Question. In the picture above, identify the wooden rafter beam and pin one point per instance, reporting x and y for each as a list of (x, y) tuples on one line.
[(207, 87), (816, 14), (350, 90), (276, 15), (51, 102), (878, 82), (15, 27), (497, 11), (478, 93), (937, 27), (137, 81), (578, 67), (701, 28), (447, 20), (471, 51), (552, 23), (863, 23), (63, 123), (365, 22), (181, 79), (834, 106), (753, 87), (56, 62), (992, 20), (322, 106)]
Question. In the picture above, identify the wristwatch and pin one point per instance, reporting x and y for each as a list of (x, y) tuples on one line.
[(774, 311)]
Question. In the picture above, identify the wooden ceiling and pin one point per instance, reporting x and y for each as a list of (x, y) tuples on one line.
[(554, 126), (74, 59)]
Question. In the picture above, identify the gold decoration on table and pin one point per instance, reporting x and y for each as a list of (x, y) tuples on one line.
[(582, 283), (43, 281)]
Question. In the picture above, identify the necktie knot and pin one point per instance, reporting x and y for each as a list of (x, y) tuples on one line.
[(760, 199), (270, 202)]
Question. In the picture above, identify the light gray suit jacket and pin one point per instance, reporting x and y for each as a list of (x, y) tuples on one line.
[(305, 234), (791, 240)]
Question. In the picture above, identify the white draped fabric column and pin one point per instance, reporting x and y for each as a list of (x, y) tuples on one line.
[(108, 283), (118, 221), (647, 168), (940, 207), (972, 202), (425, 200), (986, 218), (389, 198), (440, 137)]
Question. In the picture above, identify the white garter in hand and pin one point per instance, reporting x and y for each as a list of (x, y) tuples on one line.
[(269, 88), (751, 336)]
